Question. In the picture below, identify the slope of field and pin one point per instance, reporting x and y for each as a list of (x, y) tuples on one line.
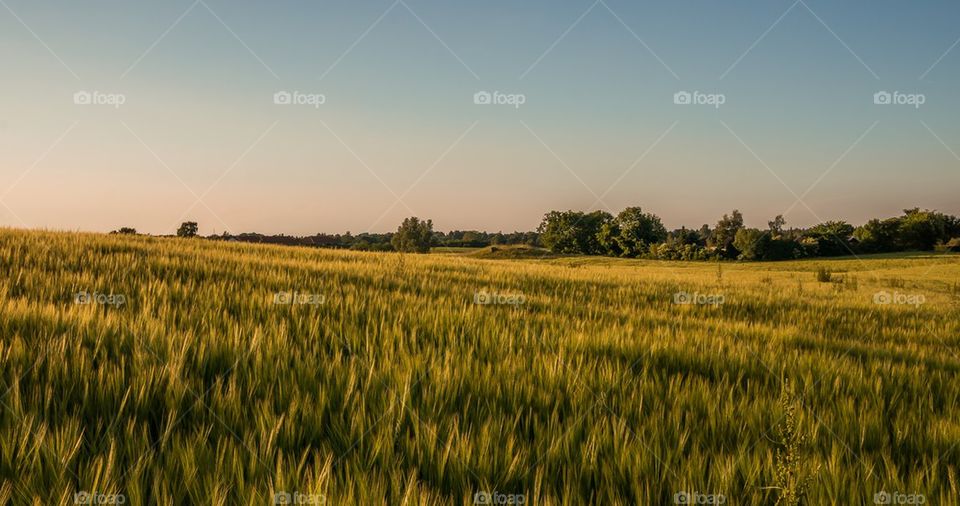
[(574, 381), (511, 252)]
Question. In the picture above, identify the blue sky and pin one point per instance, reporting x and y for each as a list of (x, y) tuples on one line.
[(198, 135)]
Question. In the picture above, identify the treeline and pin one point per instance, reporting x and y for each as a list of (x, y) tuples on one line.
[(636, 234), (386, 241)]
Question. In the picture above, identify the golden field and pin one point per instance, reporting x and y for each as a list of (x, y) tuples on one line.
[(237, 373)]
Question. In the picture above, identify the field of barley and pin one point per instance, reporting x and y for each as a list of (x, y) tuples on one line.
[(200, 372)]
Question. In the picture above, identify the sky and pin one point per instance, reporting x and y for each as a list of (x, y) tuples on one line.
[(147, 114)]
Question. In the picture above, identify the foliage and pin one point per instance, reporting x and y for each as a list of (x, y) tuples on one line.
[(832, 238), (637, 231), (878, 236), (752, 243), (953, 246), (574, 232), (636, 234), (608, 238), (776, 226), (726, 232), (782, 248), (921, 230), (187, 229), (413, 236)]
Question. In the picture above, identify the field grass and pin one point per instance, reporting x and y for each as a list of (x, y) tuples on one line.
[(592, 387), (512, 252)]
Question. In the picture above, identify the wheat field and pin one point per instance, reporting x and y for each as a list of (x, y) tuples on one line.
[(168, 371)]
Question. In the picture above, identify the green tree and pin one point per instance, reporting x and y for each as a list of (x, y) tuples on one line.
[(877, 236), (607, 237), (832, 238), (921, 230), (573, 232), (776, 226), (413, 236), (638, 230), (684, 236), (187, 229), (725, 233), (752, 243)]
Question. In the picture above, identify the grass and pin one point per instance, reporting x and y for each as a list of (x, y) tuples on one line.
[(452, 250), (399, 389), (512, 252)]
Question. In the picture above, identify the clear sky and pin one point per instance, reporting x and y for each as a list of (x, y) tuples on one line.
[(198, 135)]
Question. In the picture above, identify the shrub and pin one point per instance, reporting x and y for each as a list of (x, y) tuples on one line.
[(824, 275), (952, 246)]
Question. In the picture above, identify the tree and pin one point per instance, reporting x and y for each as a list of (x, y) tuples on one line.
[(832, 238), (413, 236), (638, 230), (877, 236), (125, 231), (706, 235), (573, 232), (921, 230), (607, 237), (776, 226), (751, 243), (684, 235), (558, 231), (187, 229), (590, 228), (726, 232)]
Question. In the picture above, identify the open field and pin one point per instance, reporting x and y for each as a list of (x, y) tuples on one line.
[(589, 386)]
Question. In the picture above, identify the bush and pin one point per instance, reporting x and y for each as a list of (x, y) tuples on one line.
[(824, 275), (951, 246)]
